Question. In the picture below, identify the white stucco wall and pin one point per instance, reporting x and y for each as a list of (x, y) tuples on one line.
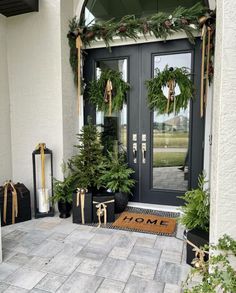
[(35, 82), (69, 90), (223, 168), (5, 129)]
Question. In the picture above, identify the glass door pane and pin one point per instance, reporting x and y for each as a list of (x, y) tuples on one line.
[(170, 135), (113, 128)]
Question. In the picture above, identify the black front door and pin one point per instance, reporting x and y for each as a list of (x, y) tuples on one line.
[(165, 151)]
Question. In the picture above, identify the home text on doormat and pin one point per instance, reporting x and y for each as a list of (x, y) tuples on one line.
[(146, 223)]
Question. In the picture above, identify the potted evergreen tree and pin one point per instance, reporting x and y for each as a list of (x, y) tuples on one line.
[(88, 165), (195, 217), (117, 179), (62, 193)]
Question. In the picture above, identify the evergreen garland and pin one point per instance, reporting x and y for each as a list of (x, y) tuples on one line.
[(158, 101), (96, 91), (161, 25)]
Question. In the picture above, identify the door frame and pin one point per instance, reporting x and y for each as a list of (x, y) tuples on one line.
[(196, 130)]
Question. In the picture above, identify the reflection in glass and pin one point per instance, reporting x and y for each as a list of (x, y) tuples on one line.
[(171, 136), (113, 128)]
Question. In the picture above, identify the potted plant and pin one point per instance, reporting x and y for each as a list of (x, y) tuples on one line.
[(63, 193), (195, 217), (88, 165), (217, 274), (117, 178)]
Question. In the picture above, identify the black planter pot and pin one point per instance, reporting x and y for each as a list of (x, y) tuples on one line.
[(64, 209), (198, 238), (121, 201)]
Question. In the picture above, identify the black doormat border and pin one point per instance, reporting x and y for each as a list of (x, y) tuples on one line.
[(142, 211)]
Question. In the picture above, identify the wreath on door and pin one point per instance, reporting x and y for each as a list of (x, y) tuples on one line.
[(170, 77), (109, 92)]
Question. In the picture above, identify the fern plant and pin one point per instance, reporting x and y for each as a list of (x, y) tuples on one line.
[(196, 210), (117, 177), (62, 190)]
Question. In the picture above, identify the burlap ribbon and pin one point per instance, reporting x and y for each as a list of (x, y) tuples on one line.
[(80, 201), (205, 34), (42, 147), (108, 95), (6, 185), (102, 211), (79, 46), (171, 94)]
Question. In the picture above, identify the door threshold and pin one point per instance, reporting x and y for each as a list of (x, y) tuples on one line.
[(148, 206)]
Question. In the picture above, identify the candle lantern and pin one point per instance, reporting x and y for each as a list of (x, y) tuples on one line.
[(43, 181)]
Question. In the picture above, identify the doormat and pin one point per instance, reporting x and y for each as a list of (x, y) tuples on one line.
[(140, 211), (146, 223)]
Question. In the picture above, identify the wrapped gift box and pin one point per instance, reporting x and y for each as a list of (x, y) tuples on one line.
[(107, 200), (23, 202), (77, 209)]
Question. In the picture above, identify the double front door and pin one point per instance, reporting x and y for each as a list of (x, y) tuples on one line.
[(165, 151)]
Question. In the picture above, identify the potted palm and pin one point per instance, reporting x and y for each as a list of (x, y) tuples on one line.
[(117, 179), (63, 193), (195, 217)]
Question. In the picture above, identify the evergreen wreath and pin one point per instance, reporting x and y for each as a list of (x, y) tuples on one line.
[(96, 91), (158, 101)]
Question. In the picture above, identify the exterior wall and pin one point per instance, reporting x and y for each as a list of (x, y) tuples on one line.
[(69, 90), (34, 55), (223, 167), (5, 128)]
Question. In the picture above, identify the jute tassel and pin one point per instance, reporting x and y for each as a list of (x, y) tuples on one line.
[(6, 185), (204, 28), (79, 46), (80, 200), (198, 262), (108, 95), (102, 211)]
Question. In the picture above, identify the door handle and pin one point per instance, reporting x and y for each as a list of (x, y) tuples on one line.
[(144, 152), (135, 151)]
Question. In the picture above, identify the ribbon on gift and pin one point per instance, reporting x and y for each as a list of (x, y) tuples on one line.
[(102, 211), (6, 185), (80, 201)]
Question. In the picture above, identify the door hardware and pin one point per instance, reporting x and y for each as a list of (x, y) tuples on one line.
[(144, 151), (135, 150)]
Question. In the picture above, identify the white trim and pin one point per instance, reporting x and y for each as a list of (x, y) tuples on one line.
[(149, 39), (158, 207)]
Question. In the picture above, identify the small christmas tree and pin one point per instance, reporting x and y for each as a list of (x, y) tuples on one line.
[(88, 165)]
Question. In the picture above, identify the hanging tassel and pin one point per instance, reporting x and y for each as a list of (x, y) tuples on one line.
[(79, 46), (204, 28), (208, 62), (171, 94), (108, 95)]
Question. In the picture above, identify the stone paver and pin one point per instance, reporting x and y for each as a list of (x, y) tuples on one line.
[(54, 255)]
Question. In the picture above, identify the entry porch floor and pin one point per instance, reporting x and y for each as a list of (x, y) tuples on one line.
[(54, 255)]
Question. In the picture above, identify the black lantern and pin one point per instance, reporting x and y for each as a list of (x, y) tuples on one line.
[(43, 206)]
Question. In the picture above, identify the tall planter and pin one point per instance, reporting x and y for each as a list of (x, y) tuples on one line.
[(121, 202), (199, 238), (64, 209)]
